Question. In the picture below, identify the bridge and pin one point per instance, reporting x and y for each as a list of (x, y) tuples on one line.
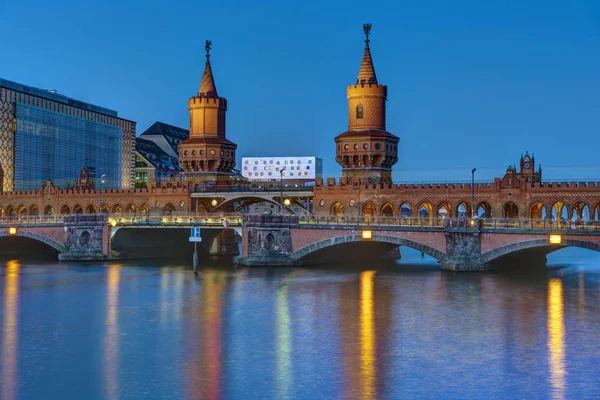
[(461, 245)]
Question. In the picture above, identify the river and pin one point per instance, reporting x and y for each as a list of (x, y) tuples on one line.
[(156, 331)]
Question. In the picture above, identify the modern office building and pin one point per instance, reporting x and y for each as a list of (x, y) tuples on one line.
[(294, 168), (157, 154), (47, 136)]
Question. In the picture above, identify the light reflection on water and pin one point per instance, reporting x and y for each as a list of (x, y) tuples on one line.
[(377, 333)]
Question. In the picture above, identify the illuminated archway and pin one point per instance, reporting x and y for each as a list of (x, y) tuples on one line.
[(49, 210), (560, 212), (387, 210), (117, 209), (510, 210), (443, 210), (22, 211), (144, 208), (425, 210), (33, 210), (77, 209), (169, 208), (10, 211), (537, 210), (130, 209), (64, 210), (337, 209), (406, 210), (369, 209), (463, 209), (90, 209)]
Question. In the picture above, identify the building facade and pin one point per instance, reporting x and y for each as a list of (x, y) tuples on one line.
[(47, 136), (270, 168)]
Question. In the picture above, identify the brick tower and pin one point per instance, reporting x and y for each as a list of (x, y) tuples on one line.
[(207, 156), (366, 150)]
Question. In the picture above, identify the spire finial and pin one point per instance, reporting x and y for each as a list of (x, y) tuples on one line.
[(367, 29), (207, 47)]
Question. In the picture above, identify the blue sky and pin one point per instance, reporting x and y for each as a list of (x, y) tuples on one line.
[(470, 83)]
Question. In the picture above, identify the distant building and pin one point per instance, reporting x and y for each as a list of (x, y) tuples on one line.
[(294, 168), (157, 154), (47, 136)]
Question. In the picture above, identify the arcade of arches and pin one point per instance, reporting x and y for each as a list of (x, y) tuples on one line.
[(537, 210)]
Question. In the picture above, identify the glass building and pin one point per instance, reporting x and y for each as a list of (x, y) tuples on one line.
[(46, 136)]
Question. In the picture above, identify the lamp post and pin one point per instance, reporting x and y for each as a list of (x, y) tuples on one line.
[(102, 180), (473, 192), (281, 171)]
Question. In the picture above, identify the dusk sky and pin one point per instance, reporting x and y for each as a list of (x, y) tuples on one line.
[(470, 83)]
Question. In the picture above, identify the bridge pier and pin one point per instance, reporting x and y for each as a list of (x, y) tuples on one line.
[(270, 246), (463, 252), (88, 239), (224, 244)]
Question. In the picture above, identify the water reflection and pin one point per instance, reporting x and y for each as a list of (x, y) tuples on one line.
[(111, 343), (284, 342), (10, 331), (556, 340), (367, 335)]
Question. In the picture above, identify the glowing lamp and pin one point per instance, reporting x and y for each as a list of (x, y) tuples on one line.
[(555, 239), (472, 222), (287, 202), (12, 231), (367, 234), (112, 222), (213, 202)]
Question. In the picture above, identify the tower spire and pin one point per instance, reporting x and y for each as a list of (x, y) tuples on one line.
[(207, 84), (367, 70)]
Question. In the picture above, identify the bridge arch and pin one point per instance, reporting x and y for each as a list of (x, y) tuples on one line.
[(536, 243), (595, 212), (36, 236), (322, 244)]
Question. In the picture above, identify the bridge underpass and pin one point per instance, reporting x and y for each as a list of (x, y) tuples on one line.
[(173, 243)]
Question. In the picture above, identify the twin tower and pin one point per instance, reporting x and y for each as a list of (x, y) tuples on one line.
[(365, 151)]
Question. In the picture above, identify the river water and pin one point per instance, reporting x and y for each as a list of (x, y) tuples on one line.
[(156, 331)]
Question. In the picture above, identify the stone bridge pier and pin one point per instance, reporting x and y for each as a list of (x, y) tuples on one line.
[(88, 239)]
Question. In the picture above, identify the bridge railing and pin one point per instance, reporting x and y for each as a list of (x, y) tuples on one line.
[(448, 223), (179, 219), (31, 220)]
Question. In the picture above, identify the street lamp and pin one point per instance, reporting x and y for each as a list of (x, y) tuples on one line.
[(281, 171), (102, 180), (473, 192)]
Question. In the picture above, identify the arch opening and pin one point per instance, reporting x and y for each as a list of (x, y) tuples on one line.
[(510, 210), (337, 209), (484, 210), (387, 210), (369, 209)]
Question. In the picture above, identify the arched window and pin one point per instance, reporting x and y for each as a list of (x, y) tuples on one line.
[(359, 111)]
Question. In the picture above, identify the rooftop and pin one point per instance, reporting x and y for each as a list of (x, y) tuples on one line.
[(54, 96)]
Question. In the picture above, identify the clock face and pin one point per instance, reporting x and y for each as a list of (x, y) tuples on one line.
[(526, 165)]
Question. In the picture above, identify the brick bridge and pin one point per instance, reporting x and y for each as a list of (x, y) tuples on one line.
[(464, 246), (290, 240)]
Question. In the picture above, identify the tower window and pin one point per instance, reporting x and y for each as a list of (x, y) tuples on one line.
[(359, 111)]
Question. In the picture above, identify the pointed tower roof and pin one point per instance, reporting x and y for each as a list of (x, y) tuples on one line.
[(207, 84), (367, 70)]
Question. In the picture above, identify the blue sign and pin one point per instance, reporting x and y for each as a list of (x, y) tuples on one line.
[(195, 235)]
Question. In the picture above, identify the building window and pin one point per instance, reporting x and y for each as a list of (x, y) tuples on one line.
[(255, 162), (310, 161), (286, 161), (308, 167), (359, 111), (255, 168), (299, 161), (291, 161), (277, 162), (245, 168), (271, 162), (246, 162)]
